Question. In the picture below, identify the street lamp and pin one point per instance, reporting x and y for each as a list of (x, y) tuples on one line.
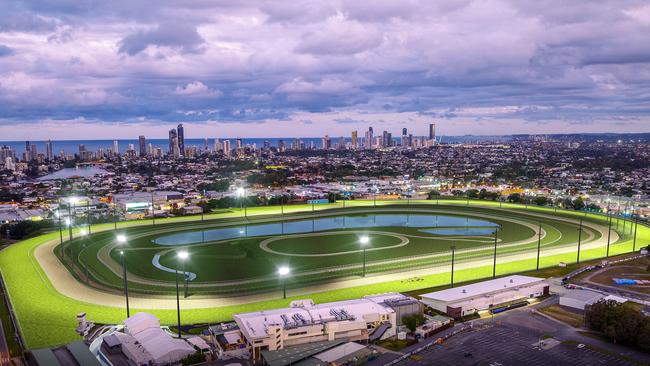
[(121, 240), (364, 240), (182, 256), (283, 272)]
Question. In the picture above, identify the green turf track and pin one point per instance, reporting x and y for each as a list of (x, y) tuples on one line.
[(47, 318)]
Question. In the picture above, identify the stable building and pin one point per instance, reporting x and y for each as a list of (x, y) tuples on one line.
[(487, 295)]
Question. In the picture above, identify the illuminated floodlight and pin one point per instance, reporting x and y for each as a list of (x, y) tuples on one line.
[(183, 255), (241, 191), (121, 239), (283, 271), (364, 240), (121, 252), (68, 222), (83, 232)]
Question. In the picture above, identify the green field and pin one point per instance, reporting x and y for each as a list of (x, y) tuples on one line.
[(248, 261), (48, 318)]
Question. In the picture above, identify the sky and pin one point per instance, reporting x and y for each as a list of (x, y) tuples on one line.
[(81, 69)]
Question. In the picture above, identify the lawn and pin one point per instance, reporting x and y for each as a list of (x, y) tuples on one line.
[(47, 318), (565, 316)]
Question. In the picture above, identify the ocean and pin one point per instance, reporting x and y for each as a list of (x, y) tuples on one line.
[(72, 146)]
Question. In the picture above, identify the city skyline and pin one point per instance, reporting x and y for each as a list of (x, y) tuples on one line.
[(271, 69)]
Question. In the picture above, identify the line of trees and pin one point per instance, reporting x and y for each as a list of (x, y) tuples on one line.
[(576, 204), (621, 323)]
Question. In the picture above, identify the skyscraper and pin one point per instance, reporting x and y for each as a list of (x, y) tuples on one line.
[(404, 131), (226, 147), (369, 138), (326, 142), (143, 146), (174, 149), (432, 131), (49, 155), (116, 147), (354, 139), (33, 152), (181, 139)]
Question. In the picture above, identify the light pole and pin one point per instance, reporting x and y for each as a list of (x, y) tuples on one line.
[(88, 214), (579, 240), (494, 264), (283, 272), (84, 234), (73, 201), (364, 240), (636, 225), (182, 256), (241, 193), (539, 243), (609, 233), (68, 224), (453, 257), (153, 212), (58, 214), (121, 240)]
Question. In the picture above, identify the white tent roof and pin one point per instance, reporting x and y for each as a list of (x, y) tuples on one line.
[(139, 322), (145, 328)]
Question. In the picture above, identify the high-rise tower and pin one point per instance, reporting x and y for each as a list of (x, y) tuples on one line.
[(181, 138), (143, 146)]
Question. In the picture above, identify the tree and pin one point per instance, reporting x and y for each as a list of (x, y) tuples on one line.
[(622, 323), (472, 193), (578, 204), (540, 201), (514, 198), (413, 321), (432, 195)]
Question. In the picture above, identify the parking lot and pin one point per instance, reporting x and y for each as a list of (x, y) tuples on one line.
[(514, 340)]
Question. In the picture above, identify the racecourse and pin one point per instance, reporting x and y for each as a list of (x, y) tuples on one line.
[(47, 297)]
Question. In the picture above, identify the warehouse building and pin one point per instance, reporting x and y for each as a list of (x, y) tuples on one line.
[(580, 299), (487, 295), (367, 319)]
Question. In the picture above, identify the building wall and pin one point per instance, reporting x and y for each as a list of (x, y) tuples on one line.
[(483, 302)]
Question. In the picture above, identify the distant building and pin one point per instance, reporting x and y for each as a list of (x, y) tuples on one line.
[(181, 138), (432, 131), (49, 155), (354, 139), (486, 295), (143, 146)]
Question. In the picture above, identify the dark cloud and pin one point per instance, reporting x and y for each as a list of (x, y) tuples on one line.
[(180, 36), (6, 51)]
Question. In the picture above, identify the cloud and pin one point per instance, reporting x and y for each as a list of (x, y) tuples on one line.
[(340, 36), (339, 64), (6, 51), (182, 37), (197, 89)]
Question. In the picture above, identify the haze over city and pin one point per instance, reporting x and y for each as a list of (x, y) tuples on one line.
[(97, 69)]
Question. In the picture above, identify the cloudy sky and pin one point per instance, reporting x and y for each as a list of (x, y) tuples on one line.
[(120, 68)]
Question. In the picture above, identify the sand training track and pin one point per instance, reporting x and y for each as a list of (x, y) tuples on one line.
[(64, 283)]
